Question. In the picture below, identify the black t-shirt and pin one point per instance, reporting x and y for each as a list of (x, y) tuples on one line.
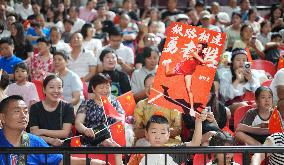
[(22, 50), (120, 82), (169, 13), (51, 120)]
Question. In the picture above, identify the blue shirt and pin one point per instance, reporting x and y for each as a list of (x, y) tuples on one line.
[(31, 31), (32, 159), (8, 64)]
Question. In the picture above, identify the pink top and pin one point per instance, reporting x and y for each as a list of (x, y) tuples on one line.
[(87, 15), (39, 68), (27, 91)]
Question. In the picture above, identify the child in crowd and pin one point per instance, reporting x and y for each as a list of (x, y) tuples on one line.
[(222, 139), (22, 86), (253, 128), (158, 133)]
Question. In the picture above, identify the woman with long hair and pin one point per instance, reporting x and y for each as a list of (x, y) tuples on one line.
[(23, 48)]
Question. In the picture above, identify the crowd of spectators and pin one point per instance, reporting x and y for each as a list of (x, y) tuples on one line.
[(112, 47)]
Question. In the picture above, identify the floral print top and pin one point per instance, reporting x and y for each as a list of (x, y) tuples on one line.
[(95, 115), (39, 68)]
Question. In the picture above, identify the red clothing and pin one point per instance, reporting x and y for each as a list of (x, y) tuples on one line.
[(187, 67)]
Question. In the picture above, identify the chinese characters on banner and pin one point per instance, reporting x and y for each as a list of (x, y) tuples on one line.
[(187, 67)]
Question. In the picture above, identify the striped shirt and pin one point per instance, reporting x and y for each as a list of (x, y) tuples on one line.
[(276, 158)]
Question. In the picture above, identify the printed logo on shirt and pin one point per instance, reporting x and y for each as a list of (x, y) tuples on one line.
[(115, 89), (14, 159)]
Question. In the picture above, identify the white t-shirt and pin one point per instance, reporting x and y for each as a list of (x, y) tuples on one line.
[(277, 80), (124, 52), (78, 24), (61, 46), (24, 12), (94, 45), (157, 159), (82, 64)]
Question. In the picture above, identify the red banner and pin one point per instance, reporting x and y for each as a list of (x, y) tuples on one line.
[(187, 67)]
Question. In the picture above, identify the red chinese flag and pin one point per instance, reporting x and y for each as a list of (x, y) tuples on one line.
[(128, 103), (110, 110), (275, 122), (118, 133), (75, 142), (280, 63), (38, 85)]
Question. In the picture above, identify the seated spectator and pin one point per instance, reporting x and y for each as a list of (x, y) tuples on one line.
[(253, 128), (231, 7), (73, 87), (145, 110), (88, 13), (81, 61), (148, 40), (158, 127), (38, 30), (272, 49), (22, 86), (233, 31), (205, 19), (222, 139), (193, 16), (276, 19), (277, 86), (252, 16), (8, 60), (168, 14), (15, 117), (249, 42), (129, 30), (42, 63), (90, 43), (57, 44), (276, 140), (23, 47), (119, 80), (66, 35), (237, 80), (265, 32), (74, 16), (52, 118), (91, 114), (153, 27), (154, 15), (125, 56), (150, 64), (24, 9)]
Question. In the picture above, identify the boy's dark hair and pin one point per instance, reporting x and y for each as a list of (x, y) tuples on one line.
[(261, 89), (105, 52), (68, 21), (159, 119), (6, 40), (221, 138), (148, 76), (275, 35), (43, 39), (114, 31), (5, 102), (21, 65)]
